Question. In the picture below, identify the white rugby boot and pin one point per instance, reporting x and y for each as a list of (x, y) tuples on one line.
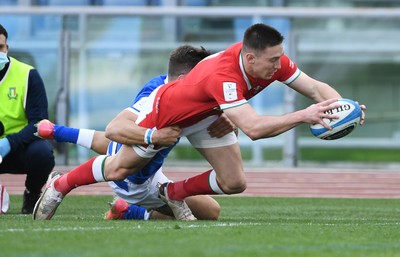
[(50, 199), (180, 209)]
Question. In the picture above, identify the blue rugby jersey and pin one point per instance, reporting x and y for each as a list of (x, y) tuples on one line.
[(157, 161)]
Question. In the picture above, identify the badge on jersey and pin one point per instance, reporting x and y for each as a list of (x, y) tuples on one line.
[(230, 93)]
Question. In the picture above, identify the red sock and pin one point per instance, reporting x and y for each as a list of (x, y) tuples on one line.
[(80, 176), (197, 185)]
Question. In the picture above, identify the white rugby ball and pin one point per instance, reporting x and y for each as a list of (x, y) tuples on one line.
[(349, 114)]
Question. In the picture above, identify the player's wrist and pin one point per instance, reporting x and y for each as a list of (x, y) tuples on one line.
[(148, 136)]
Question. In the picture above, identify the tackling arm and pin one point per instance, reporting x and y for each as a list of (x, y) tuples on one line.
[(124, 130)]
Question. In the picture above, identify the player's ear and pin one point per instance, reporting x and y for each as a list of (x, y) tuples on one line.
[(181, 76), (250, 58)]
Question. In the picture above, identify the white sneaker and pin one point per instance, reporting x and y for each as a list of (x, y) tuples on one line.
[(50, 199), (180, 209)]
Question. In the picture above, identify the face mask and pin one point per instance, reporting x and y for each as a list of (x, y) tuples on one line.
[(3, 60)]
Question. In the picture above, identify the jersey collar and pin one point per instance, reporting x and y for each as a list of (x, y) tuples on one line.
[(241, 64)]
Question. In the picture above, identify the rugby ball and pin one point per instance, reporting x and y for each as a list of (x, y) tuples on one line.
[(349, 114)]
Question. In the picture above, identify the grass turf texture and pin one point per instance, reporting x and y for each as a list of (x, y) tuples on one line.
[(248, 226)]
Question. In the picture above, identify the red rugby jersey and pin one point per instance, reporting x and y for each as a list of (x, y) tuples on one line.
[(216, 83)]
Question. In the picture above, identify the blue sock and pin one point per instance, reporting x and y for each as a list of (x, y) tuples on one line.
[(134, 212), (65, 134)]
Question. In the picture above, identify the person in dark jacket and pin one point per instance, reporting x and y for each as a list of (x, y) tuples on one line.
[(23, 102)]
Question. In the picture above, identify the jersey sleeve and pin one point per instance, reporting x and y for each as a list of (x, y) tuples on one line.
[(149, 87), (228, 92), (143, 94), (289, 71)]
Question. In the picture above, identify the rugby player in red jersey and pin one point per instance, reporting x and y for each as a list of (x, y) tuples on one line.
[(223, 82)]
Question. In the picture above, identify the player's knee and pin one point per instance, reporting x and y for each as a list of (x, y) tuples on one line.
[(214, 212), (204, 207), (239, 188), (236, 186)]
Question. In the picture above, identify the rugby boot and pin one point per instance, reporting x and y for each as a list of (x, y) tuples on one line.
[(49, 201), (118, 209), (44, 129), (180, 209)]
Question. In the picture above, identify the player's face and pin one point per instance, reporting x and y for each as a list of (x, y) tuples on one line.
[(3, 44), (267, 62)]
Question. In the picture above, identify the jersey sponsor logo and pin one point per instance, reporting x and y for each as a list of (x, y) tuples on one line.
[(230, 93)]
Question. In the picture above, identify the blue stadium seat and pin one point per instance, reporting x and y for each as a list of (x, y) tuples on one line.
[(115, 27), (69, 2), (241, 24), (10, 23), (125, 2), (194, 3), (8, 2)]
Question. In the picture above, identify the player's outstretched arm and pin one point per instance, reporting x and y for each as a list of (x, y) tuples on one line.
[(314, 89), (256, 126), (318, 91), (124, 130)]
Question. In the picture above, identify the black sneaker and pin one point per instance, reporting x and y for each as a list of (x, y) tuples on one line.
[(30, 200)]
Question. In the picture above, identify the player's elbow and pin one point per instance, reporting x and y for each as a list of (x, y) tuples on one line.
[(252, 134), (256, 134), (110, 131)]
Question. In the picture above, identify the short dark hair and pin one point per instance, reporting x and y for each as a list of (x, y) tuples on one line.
[(184, 58), (260, 36), (3, 31)]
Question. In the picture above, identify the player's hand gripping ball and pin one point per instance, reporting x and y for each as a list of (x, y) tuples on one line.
[(349, 118)]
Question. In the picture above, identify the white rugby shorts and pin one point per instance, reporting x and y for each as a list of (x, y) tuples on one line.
[(197, 135), (145, 195)]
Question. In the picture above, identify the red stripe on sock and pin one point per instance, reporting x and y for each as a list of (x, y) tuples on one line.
[(80, 176), (197, 185)]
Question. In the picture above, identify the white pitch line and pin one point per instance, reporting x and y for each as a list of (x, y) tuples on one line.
[(16, 230), (187, 225), (180, 225)]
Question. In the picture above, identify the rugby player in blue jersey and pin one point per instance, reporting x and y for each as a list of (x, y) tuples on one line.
[(137, 195)]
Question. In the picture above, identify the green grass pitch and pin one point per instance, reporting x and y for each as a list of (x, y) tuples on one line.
[(248, 226)]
